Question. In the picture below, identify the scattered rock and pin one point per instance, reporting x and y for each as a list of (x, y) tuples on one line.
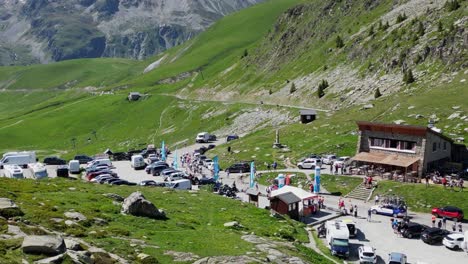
[(15, 231), (137, 205), (8, 208), (99, 221), (143, 256), (234, 224), (75, 215), (71, 244), (419, 116), (411, 107), (228, 259), (399, 122), (72, 189), (52, 260), (182, 256), (463, 80), (70, 223), (47, 245), (454, 115), (80, 257), (368, 106), (114, 196), (455, 107)]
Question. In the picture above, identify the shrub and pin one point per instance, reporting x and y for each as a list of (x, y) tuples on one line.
[(270, 92), (371, 31), (245, 54), (339, 42), (401, 18), (321, 88), (452, 5), (408, 77), (292, 89), (421, 29), (440, 27), (377, 93)]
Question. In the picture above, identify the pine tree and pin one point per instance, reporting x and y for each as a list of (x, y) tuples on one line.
[(339, 42), (270, 92), (371, 31), (452, 5), (293, 88), (321, 88), (440, 27), (377, 93), (401, 18)]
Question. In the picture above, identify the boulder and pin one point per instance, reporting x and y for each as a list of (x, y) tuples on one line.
[(71, 244), (368, 106), (47, 245), (114, 196), (52, 260), (136, 204), (80, 256), (8, 208), (234, 224), (75, 216)]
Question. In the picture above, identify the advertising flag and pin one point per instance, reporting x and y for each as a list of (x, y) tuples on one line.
[(252, 174), (163, 151), (216, 168), (317, 180)]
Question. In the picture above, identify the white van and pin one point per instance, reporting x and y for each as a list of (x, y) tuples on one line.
[(137, 162), (18, 158), (38, 170), (338, 238), (98, 162), (183, 184), (74, 166), (202, 137), (13, 171)]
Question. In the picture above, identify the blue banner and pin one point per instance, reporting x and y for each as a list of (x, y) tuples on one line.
[(163, 152), (175, 162), (216, 168), (317, 180), (252, 174)]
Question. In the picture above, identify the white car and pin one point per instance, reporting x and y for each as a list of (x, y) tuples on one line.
[(453, 241), (397, 258), (367, 255), (329, 159), (388, 210), (341, 160), (309, 164)]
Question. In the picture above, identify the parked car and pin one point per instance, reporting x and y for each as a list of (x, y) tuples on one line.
[(413, 230), (450, 212), (121, 156), (94, 174), (155, 164), (341, 160), (156, 170), (433, 235), (397, 258), (152, 158), (453, 241), (232, 137), (367, 254), (83, 159), (122, 182), (212, 137), (97, 168), (202, 137), (389, 210), (242, 167), (54, 161), (309, 163), (329, 159), (178, 175), (152, 183), (62, 171), (211, 146), (205, 181)]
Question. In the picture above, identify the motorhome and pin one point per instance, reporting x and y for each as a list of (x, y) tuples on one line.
[(183, 184), (202, 137), (351, 226), (137, 162), (338, 238), (18, 158), (13, 171), (38, 170), (74, 166)]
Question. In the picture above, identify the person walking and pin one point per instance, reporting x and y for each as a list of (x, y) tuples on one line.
[(229, 149), (454, 226), (433, 220), (427, 181), (460, 228), (268, 166), (274, 165), (369, 215), (355, 211), (439, 224), (444, 222), (377, 198)]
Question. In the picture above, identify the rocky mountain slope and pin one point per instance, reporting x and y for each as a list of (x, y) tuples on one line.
[(40, 31)]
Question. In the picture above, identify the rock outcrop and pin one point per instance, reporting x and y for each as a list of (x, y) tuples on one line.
[(8, 208), (137, 205), (46, 245)]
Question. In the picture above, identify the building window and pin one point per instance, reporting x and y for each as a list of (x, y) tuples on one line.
[(445, 145), (392, 144), (434, 147)]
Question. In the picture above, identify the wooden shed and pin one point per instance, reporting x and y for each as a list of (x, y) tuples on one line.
[(253, 196), (286, 203), (307, 115)]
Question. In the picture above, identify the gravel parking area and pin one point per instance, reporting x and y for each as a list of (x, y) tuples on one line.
[(379, 234)]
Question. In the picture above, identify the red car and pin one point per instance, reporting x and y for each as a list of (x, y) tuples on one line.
[(450, 212)]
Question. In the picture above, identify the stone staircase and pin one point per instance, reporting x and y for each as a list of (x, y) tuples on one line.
[(360, 193)]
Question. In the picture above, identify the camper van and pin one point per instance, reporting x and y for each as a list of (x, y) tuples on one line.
[(74, 166), (338, 238), (183, 184), (202, 137), (137, 162), (18, 158), (13, 171), (351, 226), (38, 170)]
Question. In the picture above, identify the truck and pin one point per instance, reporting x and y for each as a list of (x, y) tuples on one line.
[(38, 170), (203, 137), (18, 158), (338, 238), (13, 171)]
